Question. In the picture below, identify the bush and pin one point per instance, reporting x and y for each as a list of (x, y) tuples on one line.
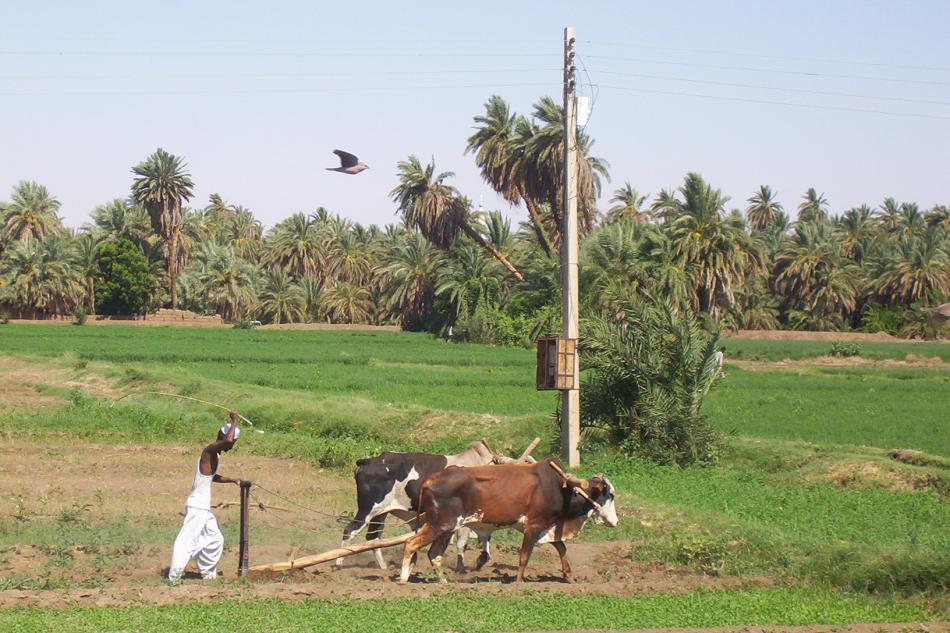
[(125, 282), (845, 350), (878, 318), (653, 365), (81, 316), (4, 317)]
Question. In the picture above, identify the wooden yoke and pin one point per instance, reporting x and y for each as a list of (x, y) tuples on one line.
[(579, 485)]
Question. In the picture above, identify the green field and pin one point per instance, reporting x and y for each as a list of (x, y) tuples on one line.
[(804, 492)]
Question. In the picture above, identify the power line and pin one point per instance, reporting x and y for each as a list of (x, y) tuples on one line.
[(145, 93), (781, 103), (766, 56), (103, 53), (774, 70), (778, 88), (381, 73)]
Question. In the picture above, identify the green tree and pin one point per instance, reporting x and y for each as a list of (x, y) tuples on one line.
[(763, 208), (282, 300), (162, 185), (628, 204), (410, 273), (437, 210), (124, 283), (814, 207), (31, 214), (650, 369)]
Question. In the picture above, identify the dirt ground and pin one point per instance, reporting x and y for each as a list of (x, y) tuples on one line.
[(143, 488), (911, 360), (794, 335)]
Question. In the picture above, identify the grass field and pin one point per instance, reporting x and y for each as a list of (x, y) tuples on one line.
[(805, 493), (478, 614)]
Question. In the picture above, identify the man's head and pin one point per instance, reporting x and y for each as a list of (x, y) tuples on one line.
[(223, 435)]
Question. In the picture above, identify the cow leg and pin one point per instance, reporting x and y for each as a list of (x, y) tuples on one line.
[(435, 555), (527, 546), (562, 552), (353, 528), (461, 541), (485, 556), (419, 540), (373, 533)]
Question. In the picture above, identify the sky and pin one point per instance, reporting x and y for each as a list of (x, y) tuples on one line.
[(851, 97)]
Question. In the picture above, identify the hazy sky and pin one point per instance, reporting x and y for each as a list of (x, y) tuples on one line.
[(255, 95)]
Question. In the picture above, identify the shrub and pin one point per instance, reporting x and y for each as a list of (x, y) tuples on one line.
[(4, 317), (125, 282), (653, 365), (878, 318), (845, 350), (81, 316)]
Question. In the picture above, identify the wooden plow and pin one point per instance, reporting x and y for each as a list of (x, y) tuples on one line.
[(333, 554)]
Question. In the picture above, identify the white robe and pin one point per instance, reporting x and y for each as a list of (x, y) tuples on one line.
[(199, 538)]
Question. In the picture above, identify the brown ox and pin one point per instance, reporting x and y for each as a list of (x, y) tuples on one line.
[(533, 498)]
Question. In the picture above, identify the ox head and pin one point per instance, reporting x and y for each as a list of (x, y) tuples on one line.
[(602, 492)]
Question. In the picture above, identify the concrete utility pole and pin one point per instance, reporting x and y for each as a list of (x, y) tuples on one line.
[(570, 398)]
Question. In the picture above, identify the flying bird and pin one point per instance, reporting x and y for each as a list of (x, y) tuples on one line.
[(349, 164)]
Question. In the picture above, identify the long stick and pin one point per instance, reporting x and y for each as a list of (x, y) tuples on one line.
[(243, 554), (178, 395), (333, 554)]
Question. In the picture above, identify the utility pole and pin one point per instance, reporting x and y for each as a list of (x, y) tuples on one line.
[(570, 398)]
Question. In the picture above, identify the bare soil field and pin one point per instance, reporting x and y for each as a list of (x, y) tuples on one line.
[(794, 335), (142, 488)]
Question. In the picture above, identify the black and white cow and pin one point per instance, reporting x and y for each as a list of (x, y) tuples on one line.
[(389, 484)]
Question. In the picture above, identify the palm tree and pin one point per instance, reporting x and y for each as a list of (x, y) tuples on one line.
[(888, 216), (469, 280), (247, 235), (228, 282), (917, 268), (814, 207), (437, 209), (857, 232), (718, 250), (296, 247), (282, 299), (494, 144), (31, 214), (347, 303), (348, 260), (538, 163), (814, 274), (120, 219), (162, 185), (410, 273), (763, 208), (629, 205), (87, 265)]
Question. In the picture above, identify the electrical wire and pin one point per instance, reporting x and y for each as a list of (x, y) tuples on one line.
[(778, 88), (767, 56), (95, 53), (801, 73), (780, 103), (379, 73), (149, 93)]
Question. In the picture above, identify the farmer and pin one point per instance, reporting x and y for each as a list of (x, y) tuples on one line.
[(720, 357), (200, 537)]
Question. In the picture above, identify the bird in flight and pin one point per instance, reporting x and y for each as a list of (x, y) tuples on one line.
[(349, 164)]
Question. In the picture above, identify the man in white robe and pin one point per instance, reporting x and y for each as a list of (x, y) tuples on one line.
[(200, 538)]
